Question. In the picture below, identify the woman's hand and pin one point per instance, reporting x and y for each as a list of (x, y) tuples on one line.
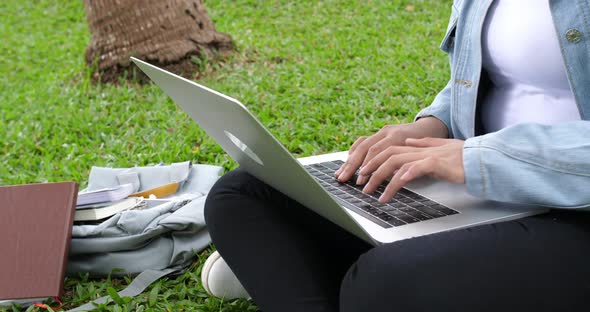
[(367, 148), (439, 158)]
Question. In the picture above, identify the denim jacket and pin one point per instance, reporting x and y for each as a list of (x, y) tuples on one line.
[(527, 162)]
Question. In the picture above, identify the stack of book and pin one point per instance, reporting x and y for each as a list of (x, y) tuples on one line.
[(103, 203)]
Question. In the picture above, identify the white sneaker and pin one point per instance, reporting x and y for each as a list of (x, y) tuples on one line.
[(219, 280)]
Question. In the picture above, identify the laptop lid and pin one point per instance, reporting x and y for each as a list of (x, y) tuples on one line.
[(248, 142)]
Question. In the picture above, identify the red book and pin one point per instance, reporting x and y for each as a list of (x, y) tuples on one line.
[(35, 232)]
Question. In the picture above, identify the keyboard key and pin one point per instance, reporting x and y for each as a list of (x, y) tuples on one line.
[(431, 211), (406, 200), (355, 201), (406, 209), (386, 217), (447, 211), (375, 212), (396, 213), (375, 195), (378, 204), (366, 207), (363, 195), (415, 204), (408, 219), (383, 216), (370, 200), (353, 191), (396, 205), (332, 165), (343, 187), (345, 196), (396, 222), (418, 215), (405, 192), (398, 196), (371, 210), (415, 196), (387, 208)]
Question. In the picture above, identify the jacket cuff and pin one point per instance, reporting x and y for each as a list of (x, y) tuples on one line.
[(473, 166)]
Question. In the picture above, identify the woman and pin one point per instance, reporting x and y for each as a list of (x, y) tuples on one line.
[(512, 124)]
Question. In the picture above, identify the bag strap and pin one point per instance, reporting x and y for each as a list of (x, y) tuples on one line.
[(137, 286)]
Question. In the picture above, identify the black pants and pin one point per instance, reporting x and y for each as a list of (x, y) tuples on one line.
[(291, 259)]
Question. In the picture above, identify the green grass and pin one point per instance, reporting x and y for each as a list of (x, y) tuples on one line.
[(317, 73)]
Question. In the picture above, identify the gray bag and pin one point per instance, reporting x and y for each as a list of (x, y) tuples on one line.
[(156, 241)]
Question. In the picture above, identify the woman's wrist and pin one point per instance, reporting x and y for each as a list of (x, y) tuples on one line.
[(428, 127)]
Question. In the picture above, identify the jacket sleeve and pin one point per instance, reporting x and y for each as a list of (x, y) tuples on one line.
[(531, 163), (440, 108)]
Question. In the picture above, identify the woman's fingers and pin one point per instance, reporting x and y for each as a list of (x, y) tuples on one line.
[(366, 149), (351, 151), (368, 168), (388, 168), (356, 144), (356, 157), (427, 142), (404, 164), (379, 147), (407, 173)]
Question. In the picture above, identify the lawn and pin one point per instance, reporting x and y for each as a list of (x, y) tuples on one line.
[(317, 73)]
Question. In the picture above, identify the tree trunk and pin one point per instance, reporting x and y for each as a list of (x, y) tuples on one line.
[(167, 33)]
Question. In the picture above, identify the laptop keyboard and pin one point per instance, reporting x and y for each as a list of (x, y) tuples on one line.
[(405, 208)]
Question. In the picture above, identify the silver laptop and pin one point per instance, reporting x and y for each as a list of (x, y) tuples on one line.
[(424, 206)]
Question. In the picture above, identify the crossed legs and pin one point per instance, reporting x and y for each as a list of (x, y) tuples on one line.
[(290, 259)]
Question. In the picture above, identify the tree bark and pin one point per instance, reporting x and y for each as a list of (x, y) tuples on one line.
[(166, 33)]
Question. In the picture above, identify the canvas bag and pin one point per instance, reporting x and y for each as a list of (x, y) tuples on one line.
[(154, 241)]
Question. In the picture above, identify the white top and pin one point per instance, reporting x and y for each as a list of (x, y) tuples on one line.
[(522, 56)]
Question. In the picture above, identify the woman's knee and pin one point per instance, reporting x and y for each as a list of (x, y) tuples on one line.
[(401, 274), (428, 272), (227, 198), (367, 284), (226, 190)]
